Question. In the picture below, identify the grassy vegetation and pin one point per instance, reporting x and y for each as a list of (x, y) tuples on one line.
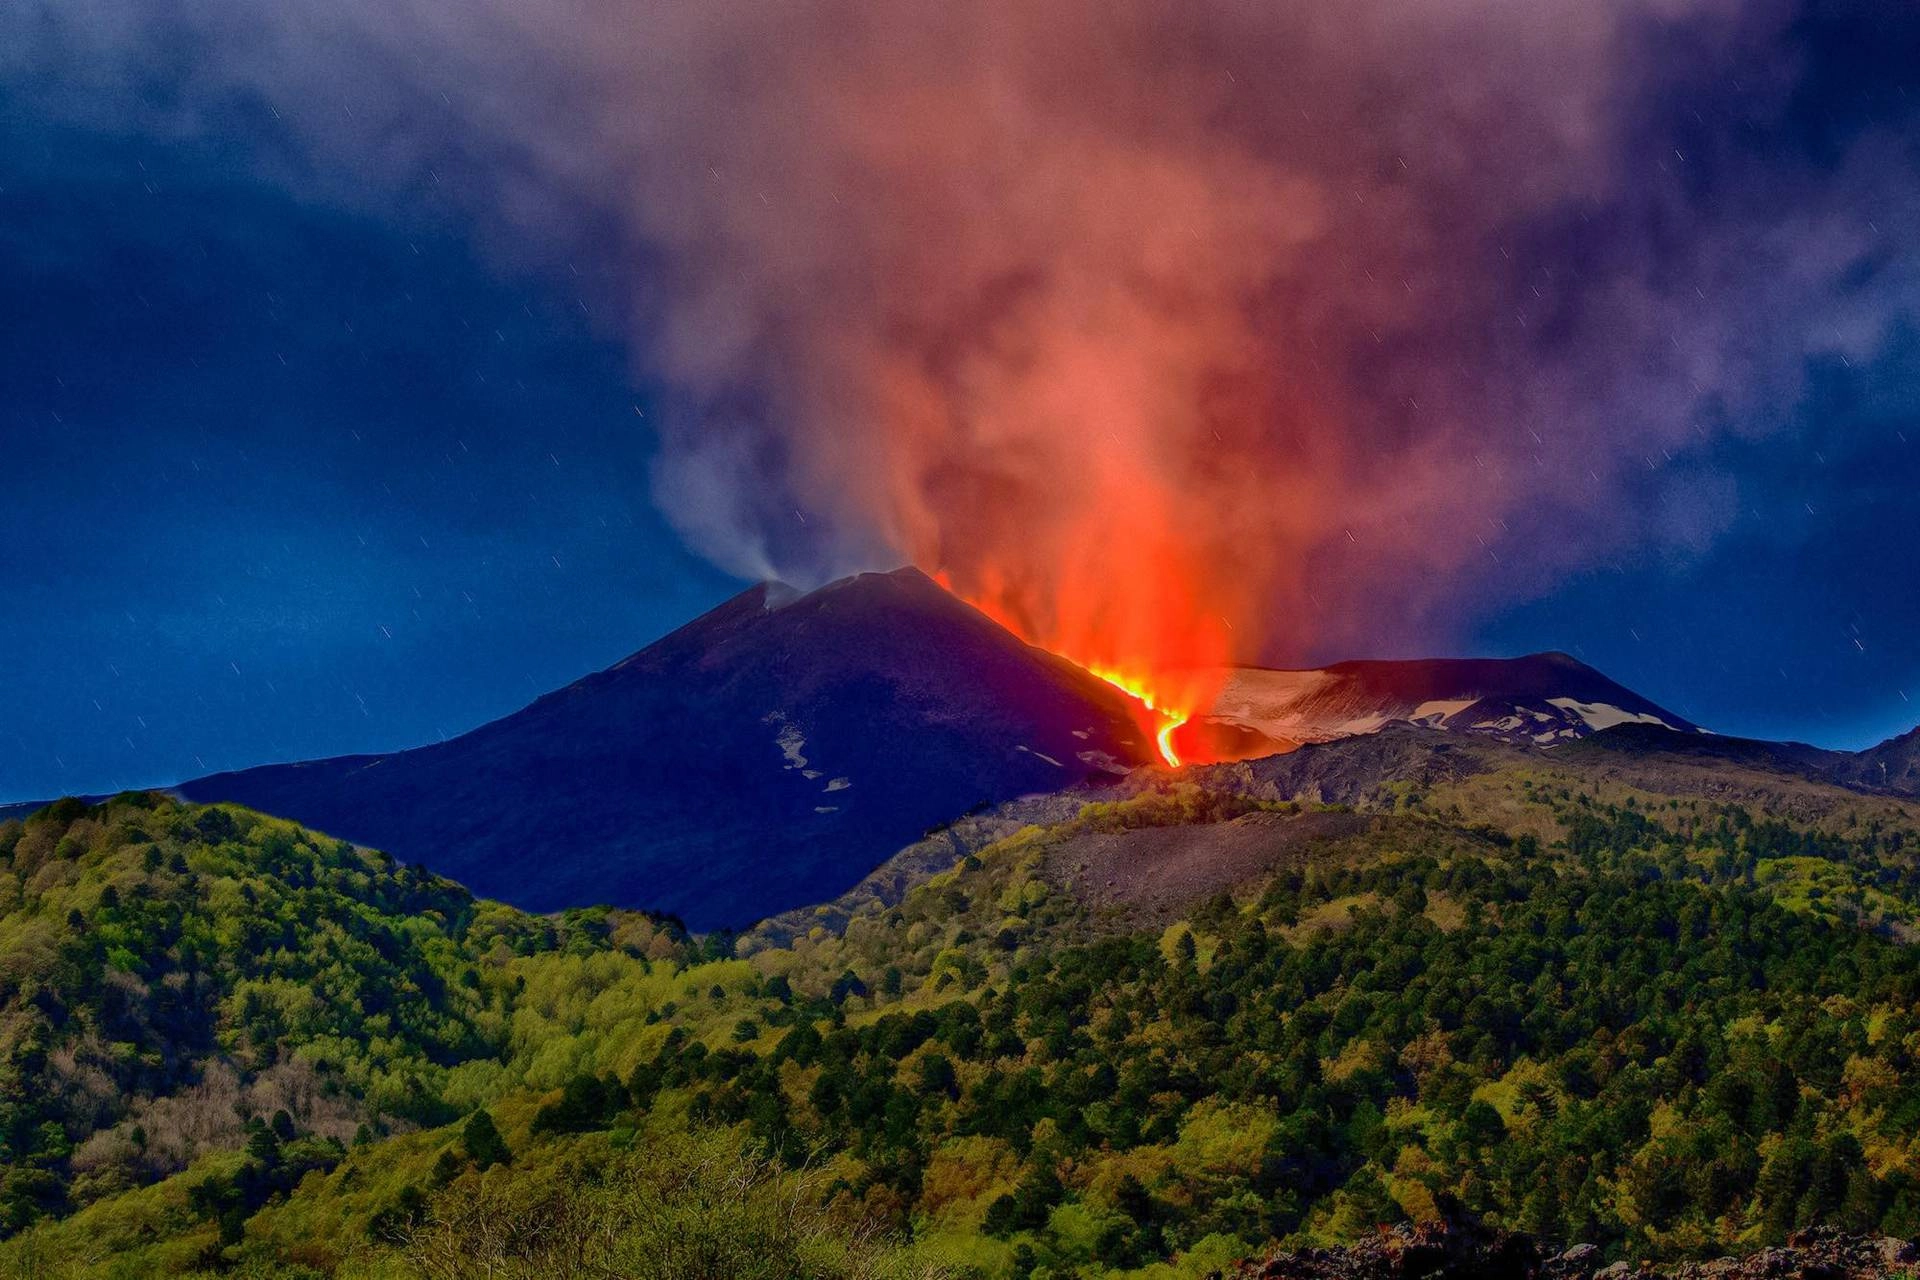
[(1667, 1024)]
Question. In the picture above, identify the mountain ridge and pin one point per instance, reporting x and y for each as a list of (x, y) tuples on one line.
[(1543, 698), (745, 763)]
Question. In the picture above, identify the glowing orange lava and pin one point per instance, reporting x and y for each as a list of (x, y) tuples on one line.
[(1167, 700), (1139, 692)]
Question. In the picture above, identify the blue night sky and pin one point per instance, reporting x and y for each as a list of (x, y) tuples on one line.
[(286, 481), (300, 461)]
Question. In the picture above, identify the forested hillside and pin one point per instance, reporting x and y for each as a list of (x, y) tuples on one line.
[(170, 973), (1540, 993)]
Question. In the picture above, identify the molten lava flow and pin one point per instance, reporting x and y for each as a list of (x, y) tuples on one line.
[(1167, 700), (1137, 690)]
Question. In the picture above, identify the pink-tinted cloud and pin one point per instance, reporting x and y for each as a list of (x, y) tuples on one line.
[(1174, 331)]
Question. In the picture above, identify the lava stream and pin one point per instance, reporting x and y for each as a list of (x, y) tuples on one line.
[(1137, 690), (1159, 717)]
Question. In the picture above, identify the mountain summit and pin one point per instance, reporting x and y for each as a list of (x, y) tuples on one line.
[(1542, 699), (773, 751), (766, 755)]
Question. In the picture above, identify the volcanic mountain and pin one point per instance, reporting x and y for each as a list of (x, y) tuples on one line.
[(1542, 699), (773, 752), (1894, 765), (766, 755)]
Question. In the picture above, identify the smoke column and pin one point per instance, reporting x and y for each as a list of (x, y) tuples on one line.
[(1171, 333)]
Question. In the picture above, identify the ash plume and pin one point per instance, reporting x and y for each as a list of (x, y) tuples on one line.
[(1175, 331)]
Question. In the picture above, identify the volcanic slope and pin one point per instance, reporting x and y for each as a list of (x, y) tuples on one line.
[(1394, 770), (1893, 765), (764, 756), (1543, 698)]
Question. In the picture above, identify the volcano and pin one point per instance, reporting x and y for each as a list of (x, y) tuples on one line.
[(772, 752), (764, 756)]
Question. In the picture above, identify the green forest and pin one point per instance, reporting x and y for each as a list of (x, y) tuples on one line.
[(1668, 1024)]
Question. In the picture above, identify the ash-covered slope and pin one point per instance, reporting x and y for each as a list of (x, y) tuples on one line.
[(1541, 699), (764, 756), (1894, 765)]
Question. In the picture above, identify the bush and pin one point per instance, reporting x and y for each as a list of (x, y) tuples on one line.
[(686, 1206)]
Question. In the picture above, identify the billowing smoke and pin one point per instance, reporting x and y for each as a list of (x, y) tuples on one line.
[(1170, 331)]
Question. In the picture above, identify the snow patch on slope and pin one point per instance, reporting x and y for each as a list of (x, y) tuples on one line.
[(792, 743), (1512, 699), (1439, 712), (1603, 715), (1040, 755)]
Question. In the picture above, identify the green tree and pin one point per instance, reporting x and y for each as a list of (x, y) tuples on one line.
[(483, 1143)]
